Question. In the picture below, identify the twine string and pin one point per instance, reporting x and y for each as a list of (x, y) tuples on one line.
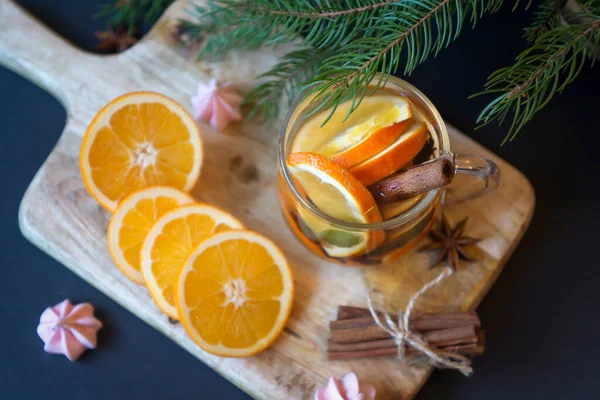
[(401, 333)]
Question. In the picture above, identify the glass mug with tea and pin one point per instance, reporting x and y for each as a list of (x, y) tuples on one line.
[(365, 188)]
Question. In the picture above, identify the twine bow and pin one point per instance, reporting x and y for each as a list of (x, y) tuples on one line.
[(401, 332)]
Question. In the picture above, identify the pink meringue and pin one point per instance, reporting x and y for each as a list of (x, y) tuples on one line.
[(348, 388), (69, 330), (216, 104)]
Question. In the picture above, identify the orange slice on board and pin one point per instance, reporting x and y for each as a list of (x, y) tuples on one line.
[(369, 146), (132, 221), (137, 140), (171, 240), (338, 194), (390, 160), (340, 133), (234, 294)]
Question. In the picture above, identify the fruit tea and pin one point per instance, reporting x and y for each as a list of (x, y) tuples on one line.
[(335, 167)]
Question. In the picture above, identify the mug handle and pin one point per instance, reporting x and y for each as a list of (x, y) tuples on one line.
[(479, 167)]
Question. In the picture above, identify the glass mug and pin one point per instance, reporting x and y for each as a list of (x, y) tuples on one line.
[(406, 223)]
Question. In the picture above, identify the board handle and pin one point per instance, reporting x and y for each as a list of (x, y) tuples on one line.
[(37, 53)]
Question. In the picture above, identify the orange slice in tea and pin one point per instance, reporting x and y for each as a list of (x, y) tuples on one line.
[(170, 240), (132, 221), (394, 157), (338, 194), (343, 131), (137, 140), (392, 210), (369, 146), (234, 294)]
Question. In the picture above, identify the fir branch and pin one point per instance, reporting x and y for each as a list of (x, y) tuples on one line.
[(321, 24), (283, 80), (415, 29), (133, 13), (546, 18), (541, 71), (371, 36), (395, 43)]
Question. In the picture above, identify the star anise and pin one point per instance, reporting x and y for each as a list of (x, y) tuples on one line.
[(449, 243), (115, 40)]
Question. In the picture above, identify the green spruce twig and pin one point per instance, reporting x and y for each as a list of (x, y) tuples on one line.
[(546, 68), (319, 24), (547, 17)]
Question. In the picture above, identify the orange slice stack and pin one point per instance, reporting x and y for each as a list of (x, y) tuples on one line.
[(231, 288)]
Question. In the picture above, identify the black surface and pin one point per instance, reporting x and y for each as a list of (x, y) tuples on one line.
[(541, 316)]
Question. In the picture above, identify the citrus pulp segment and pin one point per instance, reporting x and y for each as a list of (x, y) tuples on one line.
[(234, 293), (170, 240)]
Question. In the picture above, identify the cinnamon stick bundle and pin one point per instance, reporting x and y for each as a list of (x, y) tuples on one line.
[(355, 334)]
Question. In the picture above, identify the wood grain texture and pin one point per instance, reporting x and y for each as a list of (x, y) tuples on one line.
[(59, 216)]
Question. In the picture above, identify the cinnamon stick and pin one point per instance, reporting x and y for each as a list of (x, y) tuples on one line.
[(480, 336), (370, 345), (415, 180), (450, 335), (359, 334), (455, 342), (464, 338), (359, 322), (350, 312), (469, 349), (374, 332), (423, 322)]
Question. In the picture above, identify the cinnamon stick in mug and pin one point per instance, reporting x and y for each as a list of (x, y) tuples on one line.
[(415, 180)]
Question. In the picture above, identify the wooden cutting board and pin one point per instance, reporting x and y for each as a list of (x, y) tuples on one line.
[(59, 216)]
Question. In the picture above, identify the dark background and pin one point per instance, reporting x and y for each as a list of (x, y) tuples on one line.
[(541, 316)]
